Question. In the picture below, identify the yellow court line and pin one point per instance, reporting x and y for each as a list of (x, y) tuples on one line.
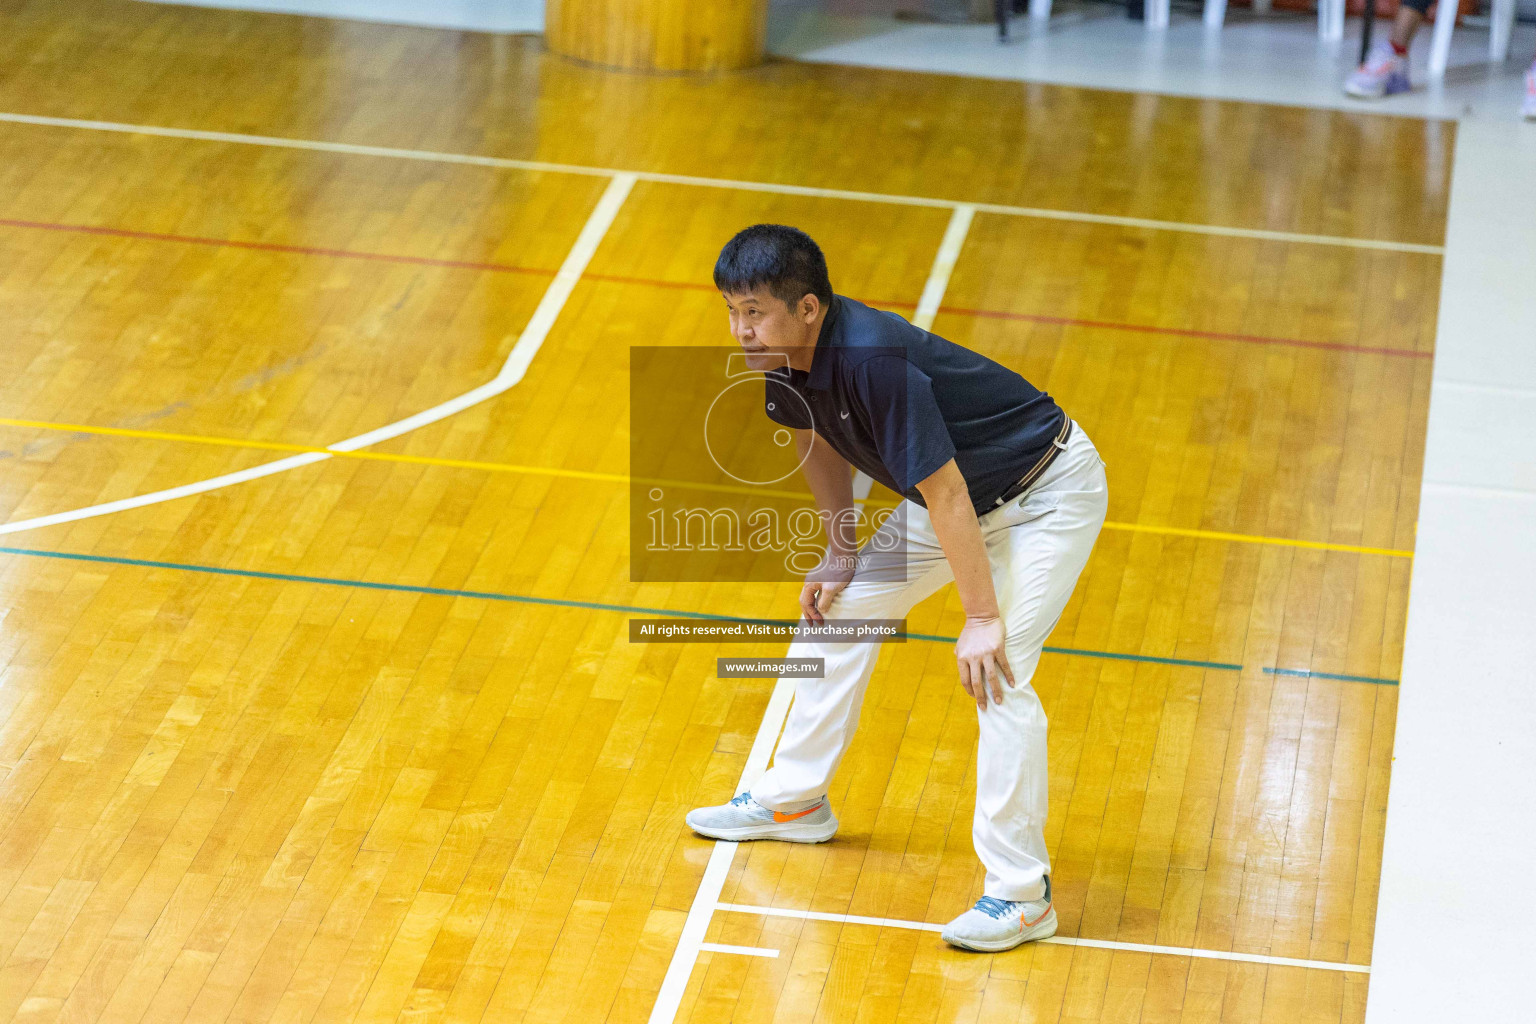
[(1253, 538), (581, 474), (419, 460)]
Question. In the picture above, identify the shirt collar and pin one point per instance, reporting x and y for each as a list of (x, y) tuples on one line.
[(820, 376)]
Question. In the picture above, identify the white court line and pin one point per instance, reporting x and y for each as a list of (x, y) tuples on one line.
[(705, 900), (943, 266), (691, 941), (518, 360), (240, 138), (1057, 940), (718, 947), (932, 298)]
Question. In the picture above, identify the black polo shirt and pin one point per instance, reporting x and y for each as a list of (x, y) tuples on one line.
[(898, 403)]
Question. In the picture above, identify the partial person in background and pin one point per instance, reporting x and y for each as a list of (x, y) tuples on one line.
[(1385, 70)]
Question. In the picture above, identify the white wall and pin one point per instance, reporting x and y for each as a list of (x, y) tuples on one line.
[(475, 15)]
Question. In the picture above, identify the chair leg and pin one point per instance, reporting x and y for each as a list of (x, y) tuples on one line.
[(1503, 22), (1440, 47), (1330, 20), (1039, 10), (1215, 13), (1157, 15)]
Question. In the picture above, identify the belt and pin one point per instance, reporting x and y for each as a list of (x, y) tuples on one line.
[(1058, 446)]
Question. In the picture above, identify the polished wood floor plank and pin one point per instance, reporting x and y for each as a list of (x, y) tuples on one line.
[(1101, 148)]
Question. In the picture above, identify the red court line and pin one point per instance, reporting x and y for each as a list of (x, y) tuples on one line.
[(300, 250), (650, 282), (1249, 339)]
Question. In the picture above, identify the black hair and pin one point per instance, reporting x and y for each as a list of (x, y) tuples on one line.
[(783, 259)]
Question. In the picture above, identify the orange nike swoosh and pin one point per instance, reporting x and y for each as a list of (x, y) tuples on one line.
[(1029, 924), (781, 818)]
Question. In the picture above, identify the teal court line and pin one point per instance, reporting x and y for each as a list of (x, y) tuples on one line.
[(1306, 672), (490, 595)]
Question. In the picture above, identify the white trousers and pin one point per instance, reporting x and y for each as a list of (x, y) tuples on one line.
[(1037, 546)]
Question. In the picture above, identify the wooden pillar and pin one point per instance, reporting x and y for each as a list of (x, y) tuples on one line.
[(658, 35)]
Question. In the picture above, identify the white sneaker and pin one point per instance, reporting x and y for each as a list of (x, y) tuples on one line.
[(1383, 73), (744, 818), (1528, 108), (994, 925)]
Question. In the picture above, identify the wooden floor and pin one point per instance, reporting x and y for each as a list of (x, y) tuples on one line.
[(256, 798)]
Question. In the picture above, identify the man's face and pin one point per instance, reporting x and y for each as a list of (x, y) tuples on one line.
[(768, 330)]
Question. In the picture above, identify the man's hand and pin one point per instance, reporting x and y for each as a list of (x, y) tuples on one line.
[(983, 661), (824, 583), (979, 650), (816, 598)]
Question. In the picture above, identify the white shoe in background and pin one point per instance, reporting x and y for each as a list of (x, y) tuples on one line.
[(1383, 73)]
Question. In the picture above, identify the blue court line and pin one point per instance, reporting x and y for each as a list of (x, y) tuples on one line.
[(1225, 666), (490, 595), (1306, 672), (405, 588)]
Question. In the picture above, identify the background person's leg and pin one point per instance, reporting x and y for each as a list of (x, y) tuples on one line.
[(1385, 69), (1528, 106), (1038, 549), (825, 713), (1410, 15)]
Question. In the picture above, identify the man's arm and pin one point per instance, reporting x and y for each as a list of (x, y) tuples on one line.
[(831, 481), (980, 647)]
